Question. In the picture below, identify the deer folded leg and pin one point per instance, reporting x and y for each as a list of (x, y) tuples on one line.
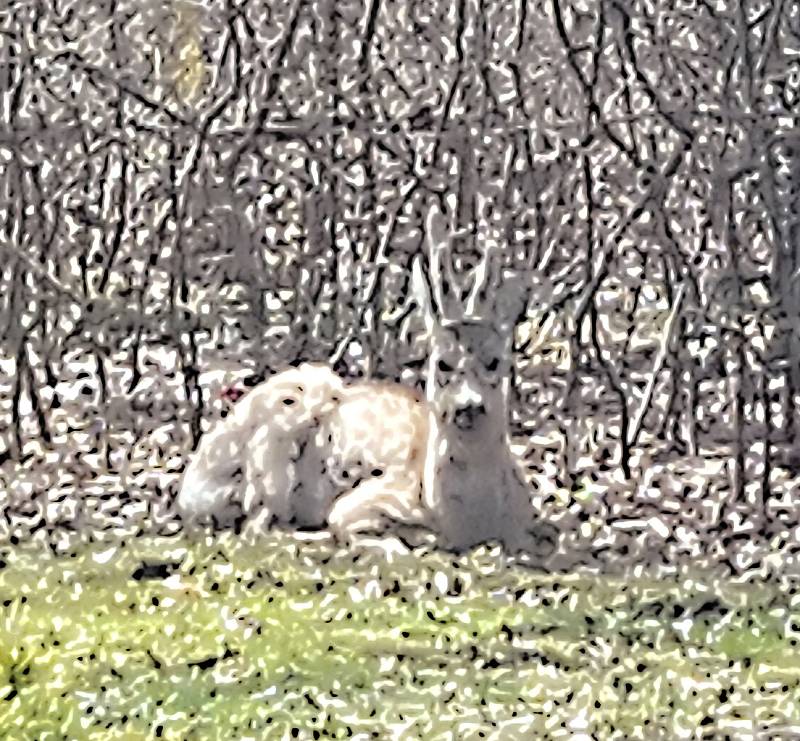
[(374, 504), (263, 503)]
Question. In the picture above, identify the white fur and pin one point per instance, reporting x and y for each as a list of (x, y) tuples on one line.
[(370, 440), (217, 475), (371, 447), (359, 456), (379, 435)]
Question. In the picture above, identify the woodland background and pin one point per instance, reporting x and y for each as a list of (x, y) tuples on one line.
[(195, 193)]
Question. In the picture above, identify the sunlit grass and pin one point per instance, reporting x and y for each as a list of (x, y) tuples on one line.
[(252, 642)]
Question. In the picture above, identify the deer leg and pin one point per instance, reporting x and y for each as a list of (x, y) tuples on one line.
[(269, 482), (375, 502)]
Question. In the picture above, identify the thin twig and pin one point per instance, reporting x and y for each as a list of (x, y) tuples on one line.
[(633, 433)]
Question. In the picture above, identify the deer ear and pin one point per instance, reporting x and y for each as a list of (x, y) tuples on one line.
[(511, 304), (517, 290)]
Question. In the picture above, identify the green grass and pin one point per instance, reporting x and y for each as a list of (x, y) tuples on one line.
[(251, 642)]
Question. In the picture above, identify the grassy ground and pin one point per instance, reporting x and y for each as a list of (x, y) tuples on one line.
[(291, 640)]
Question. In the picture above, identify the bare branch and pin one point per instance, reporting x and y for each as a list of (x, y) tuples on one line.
[(666, 339)]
